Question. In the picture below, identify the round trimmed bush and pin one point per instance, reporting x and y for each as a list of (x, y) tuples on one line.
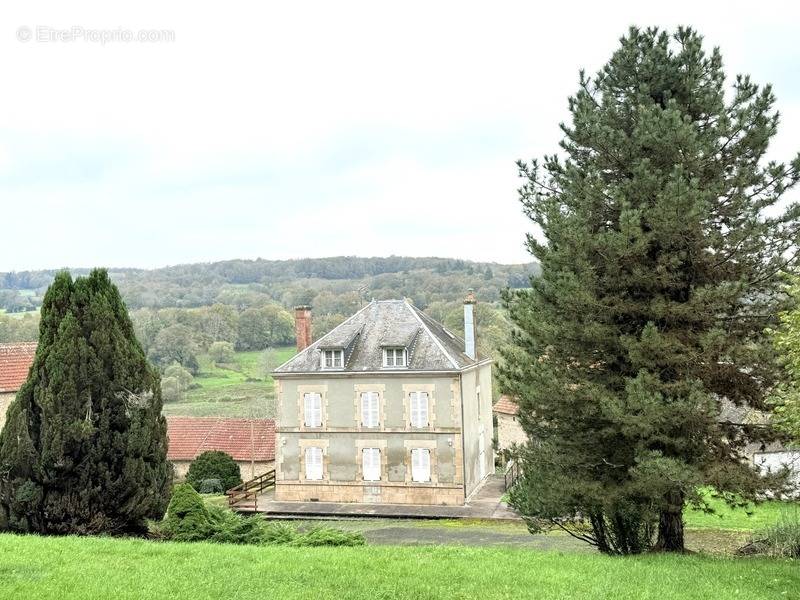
[(214, 464)]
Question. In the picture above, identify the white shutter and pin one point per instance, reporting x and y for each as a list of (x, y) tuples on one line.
[(370, 416), (400, 357), (371, 464), (313, 410), (314, 463), (420, 465), (419, 409)]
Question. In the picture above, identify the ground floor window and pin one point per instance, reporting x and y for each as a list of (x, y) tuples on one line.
[(371, 464), (314, 463), (420, 465)]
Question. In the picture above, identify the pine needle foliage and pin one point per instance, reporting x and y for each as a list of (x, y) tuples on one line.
[(640, 350)]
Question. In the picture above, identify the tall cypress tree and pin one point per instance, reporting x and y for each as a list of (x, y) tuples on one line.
[(84, 445), (664, 239)]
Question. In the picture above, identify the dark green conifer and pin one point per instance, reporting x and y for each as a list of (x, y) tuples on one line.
[(641, 344), (84, 445)]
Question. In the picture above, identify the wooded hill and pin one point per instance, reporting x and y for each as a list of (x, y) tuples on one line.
[(343, 281)]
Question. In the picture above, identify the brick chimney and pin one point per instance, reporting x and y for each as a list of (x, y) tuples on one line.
[(469, 324), (302, 327)]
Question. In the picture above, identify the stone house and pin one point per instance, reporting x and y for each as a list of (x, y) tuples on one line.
[(15, 362), (509, 431), (251, 442), (389, 407)]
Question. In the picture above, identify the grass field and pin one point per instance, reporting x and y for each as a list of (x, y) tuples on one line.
[(240, 389), (71, 567), (755, 517)]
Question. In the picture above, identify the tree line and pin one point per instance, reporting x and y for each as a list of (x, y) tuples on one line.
[(344, 281)]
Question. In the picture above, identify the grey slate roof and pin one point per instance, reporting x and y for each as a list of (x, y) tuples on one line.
[(384, 323)]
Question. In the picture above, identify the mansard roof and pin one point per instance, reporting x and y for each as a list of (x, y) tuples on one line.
[(381, 324)]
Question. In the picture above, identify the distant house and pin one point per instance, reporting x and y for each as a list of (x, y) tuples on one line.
[(251, 442), (509, 431), (15, 362), (767, 457), (389, 407)]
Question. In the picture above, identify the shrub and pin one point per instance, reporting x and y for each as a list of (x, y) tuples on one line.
[(278, 533), (188, 518), (779, 540), (229, 527), (211, 486), (214, 464), (327, 536), (221, 352)]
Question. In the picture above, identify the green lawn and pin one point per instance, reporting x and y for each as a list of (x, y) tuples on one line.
[(755, 517), (240, 389), (71, 567)]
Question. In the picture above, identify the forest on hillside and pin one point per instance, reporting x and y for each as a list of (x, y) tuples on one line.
[(180, 312)]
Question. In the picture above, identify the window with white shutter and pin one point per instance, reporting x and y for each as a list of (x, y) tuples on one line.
[(370, 406), (419, 409), (371, 464), (313, 463), (420, 465), (313, 409)]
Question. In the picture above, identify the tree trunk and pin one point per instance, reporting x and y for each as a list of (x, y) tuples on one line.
[(670, 524)]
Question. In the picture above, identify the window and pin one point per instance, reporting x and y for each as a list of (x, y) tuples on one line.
[(370, 406), (419, 409), (371, 464), (313, 463), (332, 359), (420, 465), (313, 409), (394, 357)]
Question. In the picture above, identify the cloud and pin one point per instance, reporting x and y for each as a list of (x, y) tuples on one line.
[(286, 130)]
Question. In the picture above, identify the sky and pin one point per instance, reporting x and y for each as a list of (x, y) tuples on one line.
[(288, 130)]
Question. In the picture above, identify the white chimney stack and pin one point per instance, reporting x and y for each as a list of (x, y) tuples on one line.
[(469, 325)]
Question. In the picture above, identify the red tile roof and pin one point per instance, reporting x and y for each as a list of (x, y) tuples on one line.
[(506, 406), (15, 362), (243, 439)]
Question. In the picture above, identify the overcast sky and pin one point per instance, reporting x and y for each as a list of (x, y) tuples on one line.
[(290, 129)]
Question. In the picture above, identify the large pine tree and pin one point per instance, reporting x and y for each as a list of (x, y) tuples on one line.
[(84, 445), (663, 239)]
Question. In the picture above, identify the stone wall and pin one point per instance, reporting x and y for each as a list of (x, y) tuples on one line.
[(476, 395), (5, 401), (509, 431), (249, 471), (362, 492)]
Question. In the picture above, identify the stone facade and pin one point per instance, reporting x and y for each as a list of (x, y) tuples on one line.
[(399, 410), (342, 438)]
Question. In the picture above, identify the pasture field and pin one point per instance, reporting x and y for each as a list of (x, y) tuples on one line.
[(74, 567), (239, 389)]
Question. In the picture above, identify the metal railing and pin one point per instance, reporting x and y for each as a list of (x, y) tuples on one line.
[(511, 474)]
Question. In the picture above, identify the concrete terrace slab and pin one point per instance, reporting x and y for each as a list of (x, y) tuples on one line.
[(484, 504), (352, 509)]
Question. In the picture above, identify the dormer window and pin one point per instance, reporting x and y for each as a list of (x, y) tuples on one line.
[(394, 357), (332, 359)]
